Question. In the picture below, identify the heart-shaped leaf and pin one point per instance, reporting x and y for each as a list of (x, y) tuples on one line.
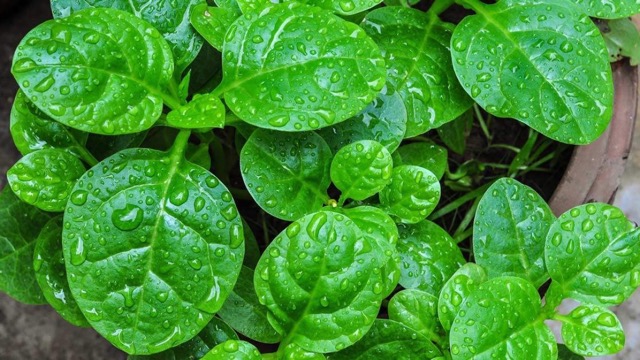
[(93, 71), (168, 235), (412, 193), (591, 330), (543, 63), (604, 9), (212, 23), (233, 349), (417, 310), (202, 112), (426, 154), (462, 283), (294, 67), (415, 46)]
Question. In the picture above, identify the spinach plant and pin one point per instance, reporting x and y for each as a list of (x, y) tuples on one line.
[(148, 128)]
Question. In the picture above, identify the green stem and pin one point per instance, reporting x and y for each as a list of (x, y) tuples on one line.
[(468, 218), (180, 145), (87, 156), (483, 124), (439, 6), (475, 5)]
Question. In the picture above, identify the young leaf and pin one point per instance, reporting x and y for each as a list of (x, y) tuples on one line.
[(590, 247), (591, 330), (212, 23), (51, 274), (609, 9), (33, 130), (233, 349), (243, 312), (622, 39), (500, 320), (454, 133), (335, 71), (317, 278), (45, 178), (287, 174), (416, 47), (384, 120), (388, 339), (417, 310), (202, 112), (171, 18), (427, 155), (510, 229), (98, 60), (20, 226), (361, 169), (412, 193), (429, 256), (167, 234), (543, 63), (462, 283)]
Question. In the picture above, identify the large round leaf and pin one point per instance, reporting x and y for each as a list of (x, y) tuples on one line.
[(153, 246), (415, 46), (510, 230), (412, 193), (591, 330), (287, 174), (540, 62), (171, 18), (604, 9), (294, 67), (501, 320), (98, 70), (317, 279), (589, 249), (462, 283)]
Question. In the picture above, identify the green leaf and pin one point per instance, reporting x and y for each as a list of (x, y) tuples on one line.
[(510, 230), (294, 352), (342, 7), (609, 9), (214, 333), (20, 226), (427, 155), (415, 46), (171, 18), (202, 112), (167, 235), (388, 339), (417, 310), (335, 71), (287, 174), (33, 130), (540, 62), (591, 247), (462, 283), (233, 349), (317, 278), (591, 330), (454, 133), (501, 320), (622, 39), (212, 23), (565, 354), (97, 75), (384, 120), (361, 169), (103, 146), (243, 312), (45, 178), (412, 193), (51, 274), (429, 256)]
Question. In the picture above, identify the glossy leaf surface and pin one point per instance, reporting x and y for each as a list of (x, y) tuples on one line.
[(510, 231), (388, 339), (540, 62), (20, 226), (418, 310), (361, 169), (51, 274), (454, 292), (343, 7), (590, 247), (171, 18), (429, 256), (92, 71), (45, 178), (501, 320), (412, 193), (233, 349), (313, 71), (33, 130), (317, 279), (592, 331), (243, 312), (609, 9), (287, 174), (415, 46), (168, 237), (212, 23), (202, 112), (294, 352), (427, 155)]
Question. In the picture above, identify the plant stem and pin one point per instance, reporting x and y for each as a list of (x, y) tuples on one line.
[(87, 156), (439, 6), (483, 124), (180, 145), (475, 5)]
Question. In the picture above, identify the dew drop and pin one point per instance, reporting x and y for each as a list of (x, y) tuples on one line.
[(128, 218)]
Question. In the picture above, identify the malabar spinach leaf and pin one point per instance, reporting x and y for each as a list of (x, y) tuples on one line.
[(622, 39), (427, 155), (543, 63), (605, 9), (454, 292), (591, 330), (233, 349), (412, 193), (202, 112), (417, 310), (294, 67), (212, 23)]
